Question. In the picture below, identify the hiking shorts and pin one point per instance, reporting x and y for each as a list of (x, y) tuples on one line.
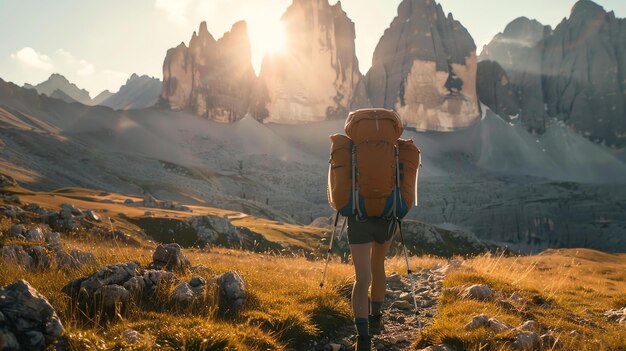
[(363, 231)]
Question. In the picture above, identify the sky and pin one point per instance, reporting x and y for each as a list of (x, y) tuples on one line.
[(98, 44)]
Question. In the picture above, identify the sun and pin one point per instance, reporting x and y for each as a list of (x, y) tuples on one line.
[(266, 38)]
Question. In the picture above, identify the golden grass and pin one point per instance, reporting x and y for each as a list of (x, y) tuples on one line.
[(564, 290)]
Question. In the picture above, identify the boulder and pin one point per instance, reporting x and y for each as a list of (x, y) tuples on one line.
[(34, 234), (15, 254), (17, 230), (527, 341), (26, 318), (72, 209), (42, 259), (171, 258), (317, 76), (478, 292), (84, 257), (478, 321), (424, 67), (214, 229), (231, 292), (103, 293), (12, 211), (6, 181)]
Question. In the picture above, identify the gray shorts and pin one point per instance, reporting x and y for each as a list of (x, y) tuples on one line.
[(370, 229)]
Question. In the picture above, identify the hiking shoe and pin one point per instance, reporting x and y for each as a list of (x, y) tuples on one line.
[(376, 324), (363, 343)]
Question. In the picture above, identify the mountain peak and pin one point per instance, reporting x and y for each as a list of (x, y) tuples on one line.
[(586, 9)]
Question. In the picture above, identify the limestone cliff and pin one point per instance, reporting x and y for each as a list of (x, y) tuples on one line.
[(317, 76), (576, 73), (424, 67), (213, 78)]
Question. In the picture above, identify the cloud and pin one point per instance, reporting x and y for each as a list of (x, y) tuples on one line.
[(187, 14), (33, 58), (177, 10)]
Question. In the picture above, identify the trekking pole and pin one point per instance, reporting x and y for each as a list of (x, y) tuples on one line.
[(330, 247), (410, 275)]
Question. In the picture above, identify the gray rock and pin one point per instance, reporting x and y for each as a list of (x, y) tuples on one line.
[(182, 296), (84, 257), (402, 305), (478, 292), (170, 257), (478, 321), (103, 293), (17, 229), (132, 336), (211, 229), (91, 215), (231, 292), (527, 341), (498, 326), (112, 297), (12, 211), (529, 326), (42, 260), (34, 208), (15, 254), (30, 318), (197, 281), (34, 234), (72, 209)]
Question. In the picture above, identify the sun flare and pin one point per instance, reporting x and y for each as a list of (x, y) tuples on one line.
[(266, 38)]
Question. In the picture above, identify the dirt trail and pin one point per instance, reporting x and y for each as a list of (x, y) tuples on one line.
[(401, 322)]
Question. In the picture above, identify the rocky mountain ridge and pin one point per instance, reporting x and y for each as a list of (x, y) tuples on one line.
[(213, 78), (424, 67), (58, 82), (575, 73)]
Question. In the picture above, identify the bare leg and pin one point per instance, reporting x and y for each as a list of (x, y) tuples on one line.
[(361, 255), (379, 281)]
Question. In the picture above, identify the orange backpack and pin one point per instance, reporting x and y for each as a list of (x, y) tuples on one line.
[(373, 173)]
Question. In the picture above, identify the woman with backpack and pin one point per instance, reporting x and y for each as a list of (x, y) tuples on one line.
[(372, 181)]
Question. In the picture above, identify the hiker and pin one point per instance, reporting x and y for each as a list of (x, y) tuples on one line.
[(372, 181)]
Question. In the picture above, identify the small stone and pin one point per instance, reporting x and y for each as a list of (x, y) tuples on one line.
[(402, 305), (529, 326), (550, 342), (73, 209), (128, 201), (131, 336), (334, 347), (17, 229), (91, 215), (574, 334), (231, 292), (196, 282), (170, 257), (479, 292), (516, 297), (478, 321), (497, 326), (438, 348), (527, 341)]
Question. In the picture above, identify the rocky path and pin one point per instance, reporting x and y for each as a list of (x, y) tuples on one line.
[(401, 322)]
